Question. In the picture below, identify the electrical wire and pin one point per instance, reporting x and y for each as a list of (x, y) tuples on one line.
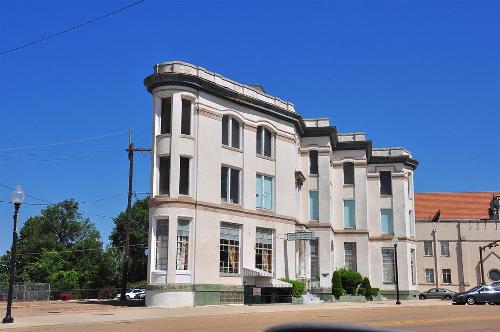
[(70, 29)]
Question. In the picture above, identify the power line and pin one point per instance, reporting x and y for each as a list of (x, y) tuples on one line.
[(65, 142), (71, 28)]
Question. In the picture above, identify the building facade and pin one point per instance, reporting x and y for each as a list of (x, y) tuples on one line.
[(235, 170), (450, 229)]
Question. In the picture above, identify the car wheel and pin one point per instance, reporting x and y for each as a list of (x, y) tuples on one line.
[(447, 298), (471, 300), (422, 297)]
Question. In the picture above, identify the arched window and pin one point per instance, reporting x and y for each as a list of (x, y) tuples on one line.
[(264, 142), (231, 132)]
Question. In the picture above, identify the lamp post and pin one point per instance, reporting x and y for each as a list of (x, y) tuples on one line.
[(17, 199), (396, 268)]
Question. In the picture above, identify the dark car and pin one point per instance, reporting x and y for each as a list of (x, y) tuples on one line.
[(479, 295), (437, 293)]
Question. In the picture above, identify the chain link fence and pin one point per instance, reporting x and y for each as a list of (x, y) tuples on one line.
[(26, 292)]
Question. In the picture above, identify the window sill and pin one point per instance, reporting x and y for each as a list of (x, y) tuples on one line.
[(428, 255), (385, 196), (388, 283), (314, 221), (349, 185), (183, 272), (265, 157), (314, 175), (350, 227), (163, 196), (230, 148), (184, 196), (265, 210), (223, 274), (159, 272), (163, 135), (187, 136), (228, 204)]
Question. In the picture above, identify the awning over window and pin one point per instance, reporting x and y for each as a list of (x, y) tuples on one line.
[(274, 283), (254, 272)]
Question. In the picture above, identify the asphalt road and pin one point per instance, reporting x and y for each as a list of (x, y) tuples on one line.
[(440, 318)]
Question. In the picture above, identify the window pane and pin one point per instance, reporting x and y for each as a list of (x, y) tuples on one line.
[(412, 223), (445, 248), (184, 176), (164, 175), (166, 116), (229, 248), (267, 143), (313, 162), (161, 244), (349, 214), (235, 134), (428, 248), (429, 276), (264, 249), (413, 267), (225, 129), (267, 194), (235, 186), (446, 276), (386, 221), (182, 256), (314, 259), (350, 256), (186, 117), (313, 205), (385, 183), (258, 191), (259, 141), (388, 265), (223, 183), (348, 173)]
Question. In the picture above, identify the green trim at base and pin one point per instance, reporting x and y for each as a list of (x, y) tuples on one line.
[(403, 295)]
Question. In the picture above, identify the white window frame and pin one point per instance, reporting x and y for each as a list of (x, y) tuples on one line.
[(166, 241), (431, 247), (448, 272), (272, 247), (188, 269), (230, 132), (262, 175), (446, 246), (427, 275), (228, 186), (240, 252), (392, 281), (262, 141), (413, 267)]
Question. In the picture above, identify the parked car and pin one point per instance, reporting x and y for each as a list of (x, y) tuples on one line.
[(496, 284), (479, 295), (437, 293)]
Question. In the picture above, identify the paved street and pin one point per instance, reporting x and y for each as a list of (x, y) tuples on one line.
[(412, 316)]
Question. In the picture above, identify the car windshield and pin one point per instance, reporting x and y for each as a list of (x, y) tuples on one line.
[(473, 289)]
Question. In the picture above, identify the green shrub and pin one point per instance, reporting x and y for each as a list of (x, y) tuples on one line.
[(298, 286), (375, 291), (365, 284), (362, 291), (337, 289), (350, 280)]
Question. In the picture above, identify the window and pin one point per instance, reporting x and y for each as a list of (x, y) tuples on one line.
[(314, 258), (428, 248), (388, 265), (230, 185), (412, 223), (445, 248), (313, 205), (186, 117), (350, 256), (385, 183), (229, 248), (166, 116), (264, 142), (230, 132), (264, 249), (313, 162), (349, 214), (182, 258), (412, 267), (164, 176), (264, 192), (386, 221), (410, 185), (494, 275), (161, 244), (446, 276), (429, 276), (184, 176), (348, 173)]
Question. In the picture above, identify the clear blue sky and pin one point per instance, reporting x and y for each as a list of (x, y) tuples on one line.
[(423, 75)]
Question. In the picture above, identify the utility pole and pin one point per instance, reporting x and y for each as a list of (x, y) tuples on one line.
[(130, 152)]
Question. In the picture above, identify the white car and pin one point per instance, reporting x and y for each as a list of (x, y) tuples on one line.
[(133, 293)]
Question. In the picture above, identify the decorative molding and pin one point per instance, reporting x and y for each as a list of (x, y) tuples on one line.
[(209, 113)]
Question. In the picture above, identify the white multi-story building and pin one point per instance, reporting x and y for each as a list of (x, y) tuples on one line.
[(234, 170)]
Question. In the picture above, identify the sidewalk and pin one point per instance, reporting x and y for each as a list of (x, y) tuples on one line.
[(131, 314)]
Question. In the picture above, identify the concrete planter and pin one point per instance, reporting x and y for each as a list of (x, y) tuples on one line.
[(297, 300), (352, 298)]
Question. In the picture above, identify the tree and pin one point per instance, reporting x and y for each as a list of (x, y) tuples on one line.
[(350, 280), (337, 289), (139, 228)]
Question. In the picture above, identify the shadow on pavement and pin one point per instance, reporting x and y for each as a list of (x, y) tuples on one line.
[(115, 303)]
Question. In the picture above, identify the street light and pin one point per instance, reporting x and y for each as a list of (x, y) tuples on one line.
[(17, 199), (396, 268)]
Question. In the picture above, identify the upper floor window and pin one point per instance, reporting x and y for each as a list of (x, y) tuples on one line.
[(410, 185), (264, 192), (313, 162), (264, 142), (184, 176), (385, 183), (166, 116), (348, 173), (386, 221), (230, 185), (349, 214), (313, 205), (445, 248), (411, 220), (231, 132), (164, 177), (428, 248), (186, 117)]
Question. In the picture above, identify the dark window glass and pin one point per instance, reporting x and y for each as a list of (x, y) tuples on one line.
[(348, 173), (314, 259), (223, 183), (184, 176), (235, 133), (166, 116), (385, 183), (164, 175), (313, 162), (267, 143), (235, 186), (259, 140), (186, 117), (225, 130)]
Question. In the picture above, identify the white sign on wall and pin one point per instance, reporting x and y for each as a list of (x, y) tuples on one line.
[(300, 236)]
